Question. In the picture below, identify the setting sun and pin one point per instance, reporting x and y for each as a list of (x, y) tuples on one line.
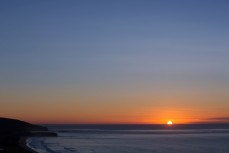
[(169, 122)]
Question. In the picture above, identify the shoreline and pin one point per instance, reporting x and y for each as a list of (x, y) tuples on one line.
[(18, 144), (14, 134), (17, 147), (23, 144)]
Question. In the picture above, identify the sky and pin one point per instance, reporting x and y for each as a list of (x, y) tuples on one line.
[(114, 61)]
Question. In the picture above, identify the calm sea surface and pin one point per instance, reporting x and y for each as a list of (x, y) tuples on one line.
[(134, 139)]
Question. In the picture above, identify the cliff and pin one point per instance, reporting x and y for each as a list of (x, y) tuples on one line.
[(11, 130)]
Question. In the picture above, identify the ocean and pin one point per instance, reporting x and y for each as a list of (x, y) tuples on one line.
[(201, 138)]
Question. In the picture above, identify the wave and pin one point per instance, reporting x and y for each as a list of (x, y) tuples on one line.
[(39, 145)]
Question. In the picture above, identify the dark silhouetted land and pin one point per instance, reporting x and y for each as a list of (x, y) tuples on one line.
[(13, 135)]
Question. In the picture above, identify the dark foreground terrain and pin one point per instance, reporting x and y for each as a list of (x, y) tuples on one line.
[(13, 135)]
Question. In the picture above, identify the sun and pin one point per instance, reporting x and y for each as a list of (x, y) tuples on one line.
[(169, 123)]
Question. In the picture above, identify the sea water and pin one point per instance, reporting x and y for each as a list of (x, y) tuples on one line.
[(133, 139)]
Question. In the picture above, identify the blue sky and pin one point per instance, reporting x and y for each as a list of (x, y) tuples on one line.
[(174, 45)]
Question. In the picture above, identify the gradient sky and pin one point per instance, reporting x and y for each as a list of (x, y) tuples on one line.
[(114, 61)]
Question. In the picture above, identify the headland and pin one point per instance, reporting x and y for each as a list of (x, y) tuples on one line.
[(13, 134)]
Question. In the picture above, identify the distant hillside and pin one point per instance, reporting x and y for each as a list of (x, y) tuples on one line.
[(11, 130), (14, 126)]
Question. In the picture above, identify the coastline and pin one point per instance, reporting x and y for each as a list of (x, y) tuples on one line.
[(22, 144), (17, 147), (14, 133)]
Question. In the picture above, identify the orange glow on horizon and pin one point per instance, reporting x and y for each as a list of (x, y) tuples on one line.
[(68, 106)]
